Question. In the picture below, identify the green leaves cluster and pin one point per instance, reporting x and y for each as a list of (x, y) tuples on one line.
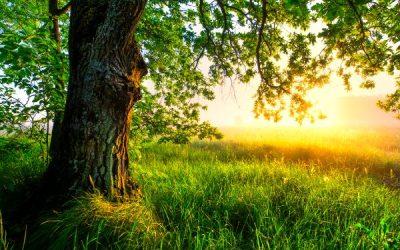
[(30, 68), (175, 87)]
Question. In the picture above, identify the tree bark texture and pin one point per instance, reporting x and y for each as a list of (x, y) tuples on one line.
[(106, 68)]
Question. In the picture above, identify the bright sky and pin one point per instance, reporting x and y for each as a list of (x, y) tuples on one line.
[(233, 105)]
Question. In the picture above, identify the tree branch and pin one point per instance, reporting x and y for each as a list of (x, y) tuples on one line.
[(225, 16), (55, 11), (260, 40), (53, 8), (216, 48), (363, 30), (66, 8)]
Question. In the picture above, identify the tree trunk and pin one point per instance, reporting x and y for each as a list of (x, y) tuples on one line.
[(60, 85), (106, 68)]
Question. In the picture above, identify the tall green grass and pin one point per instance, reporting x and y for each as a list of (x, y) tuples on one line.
[(3, 235), (248, 191)]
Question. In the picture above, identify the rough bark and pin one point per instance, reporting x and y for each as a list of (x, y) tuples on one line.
[(106, 68)]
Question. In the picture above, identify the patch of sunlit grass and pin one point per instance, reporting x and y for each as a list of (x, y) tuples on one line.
[(212, 198), (93, 221), (367, 151)]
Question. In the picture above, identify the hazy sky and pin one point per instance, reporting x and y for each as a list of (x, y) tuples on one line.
[(233, 105)]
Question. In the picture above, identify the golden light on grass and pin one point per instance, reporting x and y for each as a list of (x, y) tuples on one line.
[(265, 183)]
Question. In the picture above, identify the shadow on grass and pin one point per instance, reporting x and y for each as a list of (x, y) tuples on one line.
[(21, 167)]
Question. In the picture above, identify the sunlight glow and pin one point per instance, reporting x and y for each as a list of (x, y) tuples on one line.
[(234, 104)]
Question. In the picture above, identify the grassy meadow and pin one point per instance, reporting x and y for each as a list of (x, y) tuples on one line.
[(279, 188)]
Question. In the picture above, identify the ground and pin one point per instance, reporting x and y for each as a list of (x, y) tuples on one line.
[(257, 188)]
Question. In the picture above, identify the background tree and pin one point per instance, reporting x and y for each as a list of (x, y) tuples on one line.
[(30, 70)]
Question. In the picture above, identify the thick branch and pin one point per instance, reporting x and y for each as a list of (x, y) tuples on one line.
[(116, 45), (120, 24)]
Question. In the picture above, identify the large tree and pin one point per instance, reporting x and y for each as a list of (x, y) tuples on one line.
[(186, 47), (107, 65)]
